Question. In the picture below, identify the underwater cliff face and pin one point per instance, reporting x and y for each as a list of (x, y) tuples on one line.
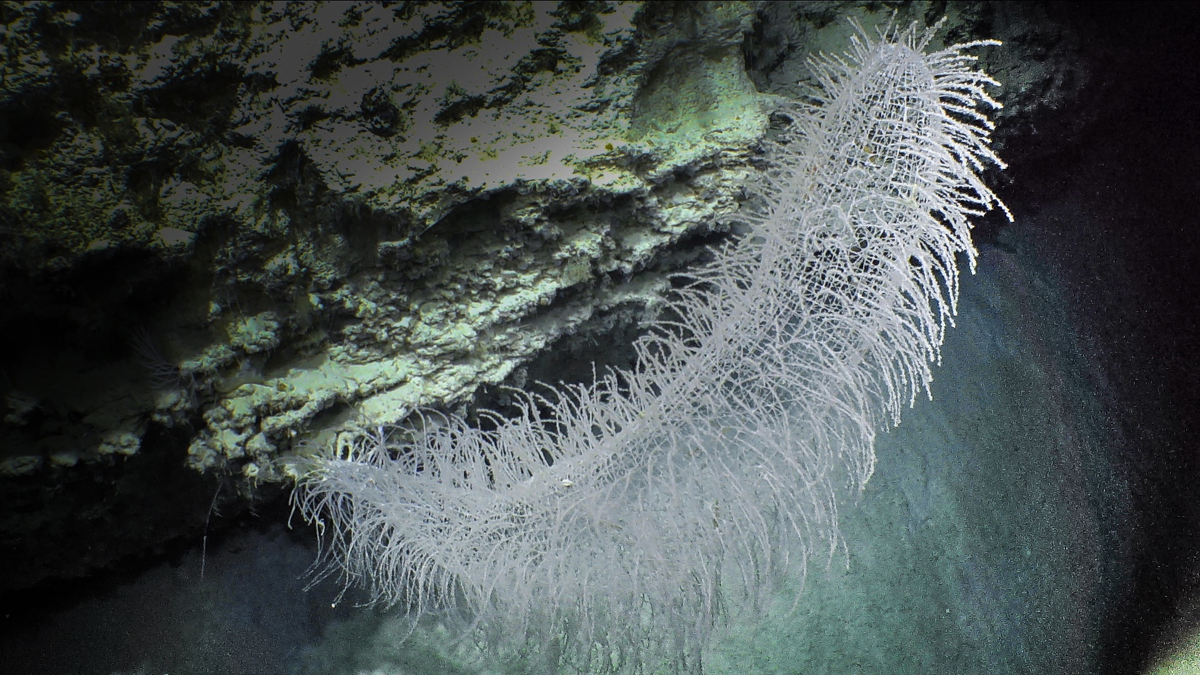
[(231, 228)]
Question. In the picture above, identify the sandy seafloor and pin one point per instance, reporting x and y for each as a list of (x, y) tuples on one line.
[(989, 538), (988, 541)]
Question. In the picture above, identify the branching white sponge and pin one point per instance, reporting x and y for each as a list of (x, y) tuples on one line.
[(612, 517)]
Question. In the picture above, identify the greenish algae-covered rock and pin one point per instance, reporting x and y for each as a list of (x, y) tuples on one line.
[(234, 229)]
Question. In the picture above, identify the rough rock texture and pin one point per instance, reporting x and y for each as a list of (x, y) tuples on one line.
[(229, 231), (1040, 64), (231, 228)]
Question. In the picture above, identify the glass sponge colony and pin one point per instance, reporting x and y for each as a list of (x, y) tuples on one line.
[(610, 522)]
